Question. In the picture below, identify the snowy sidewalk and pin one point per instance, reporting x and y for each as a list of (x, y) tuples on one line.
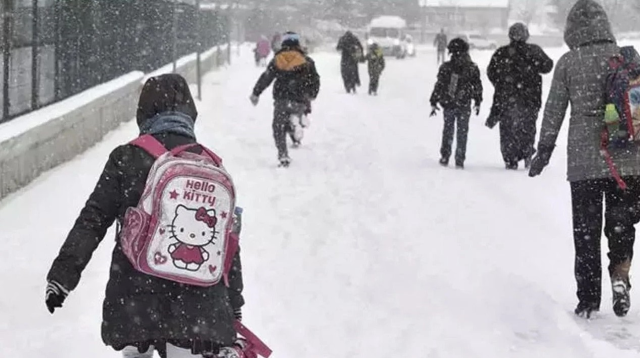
[(365, 247)]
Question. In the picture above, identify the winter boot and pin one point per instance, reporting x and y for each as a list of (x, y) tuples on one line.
[(586, 310), (527, 162), (459, 164), (284, 162), (620, 286), (511, 165), (444, 162)]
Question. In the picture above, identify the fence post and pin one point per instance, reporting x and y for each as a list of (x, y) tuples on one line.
[(228, 30), (174, 31), (35, 95), (6, 56), (198, 50)]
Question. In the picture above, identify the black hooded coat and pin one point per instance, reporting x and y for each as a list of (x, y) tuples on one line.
[(139, 309), (352, 53), (515, 71)]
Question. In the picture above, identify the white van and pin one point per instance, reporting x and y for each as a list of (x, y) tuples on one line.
[(389, 33)]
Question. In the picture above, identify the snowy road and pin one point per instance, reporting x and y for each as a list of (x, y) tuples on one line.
[(365, 247)]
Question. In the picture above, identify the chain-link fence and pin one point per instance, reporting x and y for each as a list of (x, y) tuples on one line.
[(53, 49)]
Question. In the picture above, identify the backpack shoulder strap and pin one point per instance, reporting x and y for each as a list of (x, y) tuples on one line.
[(150, 145), (183, 148)]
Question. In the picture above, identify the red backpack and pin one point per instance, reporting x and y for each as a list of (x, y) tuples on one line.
[(622, 112)]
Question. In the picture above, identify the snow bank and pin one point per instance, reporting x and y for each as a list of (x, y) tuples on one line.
[(43, 139)]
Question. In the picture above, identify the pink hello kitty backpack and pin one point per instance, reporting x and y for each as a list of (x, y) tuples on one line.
[(181, 230)]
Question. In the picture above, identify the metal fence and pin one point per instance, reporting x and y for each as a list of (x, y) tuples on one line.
[(53, 49)]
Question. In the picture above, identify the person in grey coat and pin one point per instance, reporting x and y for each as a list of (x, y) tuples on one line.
[(580, 80)]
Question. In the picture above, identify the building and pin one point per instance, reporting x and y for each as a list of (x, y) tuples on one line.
[(465, 15)]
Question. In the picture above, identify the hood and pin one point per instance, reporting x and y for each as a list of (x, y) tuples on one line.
[(587, 23), (165, 93), (290, 59), (518, 32)]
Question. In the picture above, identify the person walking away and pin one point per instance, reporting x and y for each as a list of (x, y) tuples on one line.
[(196, 321), (580, 79), (515, 71), (376, 64), (262, 51), (440, 43), (458, 84), (352, 53), (297, 83), (276, 41)]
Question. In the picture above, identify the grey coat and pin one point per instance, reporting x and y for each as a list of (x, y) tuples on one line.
[(579, 79)]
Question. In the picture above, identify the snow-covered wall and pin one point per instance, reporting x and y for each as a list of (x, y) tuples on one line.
[(43, 139)]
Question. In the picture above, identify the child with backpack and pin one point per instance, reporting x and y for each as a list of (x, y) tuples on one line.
[(376, 64), (175, 283), (603, 154), (458, 84)]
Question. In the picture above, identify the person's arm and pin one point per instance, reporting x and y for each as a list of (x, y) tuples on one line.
[(312, 83), (236, 286), (555, 109), (98, 214), (439, 88), (265, 80), (493, 71), (542, 62), (476, 84)]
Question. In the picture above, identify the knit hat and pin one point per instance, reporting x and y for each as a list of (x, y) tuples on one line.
[(458, 46), (290, 39)]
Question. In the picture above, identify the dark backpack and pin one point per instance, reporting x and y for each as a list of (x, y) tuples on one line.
[(622, 112)]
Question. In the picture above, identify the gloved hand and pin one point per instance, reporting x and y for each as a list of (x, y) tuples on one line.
[(55, 295), (540, 161), (254, 99), (476, 108), (237, 314), (434, 110)]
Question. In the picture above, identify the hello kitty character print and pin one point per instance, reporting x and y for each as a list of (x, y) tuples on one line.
[(193, 229), (181, 229)]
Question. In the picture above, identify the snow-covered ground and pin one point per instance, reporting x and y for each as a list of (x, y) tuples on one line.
[(365, 247)]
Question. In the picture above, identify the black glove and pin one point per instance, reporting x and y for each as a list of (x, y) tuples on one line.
[(237, 314), (476, 107), (540, 161), (55, 295), (434, 109)]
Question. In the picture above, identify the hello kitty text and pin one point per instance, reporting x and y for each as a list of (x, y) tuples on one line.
[(199, 192)]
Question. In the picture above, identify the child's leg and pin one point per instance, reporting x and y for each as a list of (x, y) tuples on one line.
[(375, 82), (462, 129), (447, 133), (132, 352)]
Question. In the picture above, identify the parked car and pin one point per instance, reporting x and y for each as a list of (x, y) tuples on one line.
[(478, 42), (389, 33)]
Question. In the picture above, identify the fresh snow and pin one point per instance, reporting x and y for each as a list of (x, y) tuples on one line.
[(365, 247)]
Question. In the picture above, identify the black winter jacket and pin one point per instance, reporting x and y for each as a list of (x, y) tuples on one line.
[(295, 75), (140, 309), (515, 71), (468, 86)]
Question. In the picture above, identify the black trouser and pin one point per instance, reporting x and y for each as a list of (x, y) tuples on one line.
[(455, 119), (374, 81), (621, 214), (518, 134), (441, 56), (283, 110)]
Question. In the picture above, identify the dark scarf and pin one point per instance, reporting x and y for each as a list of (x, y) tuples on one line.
[(169, 122)]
